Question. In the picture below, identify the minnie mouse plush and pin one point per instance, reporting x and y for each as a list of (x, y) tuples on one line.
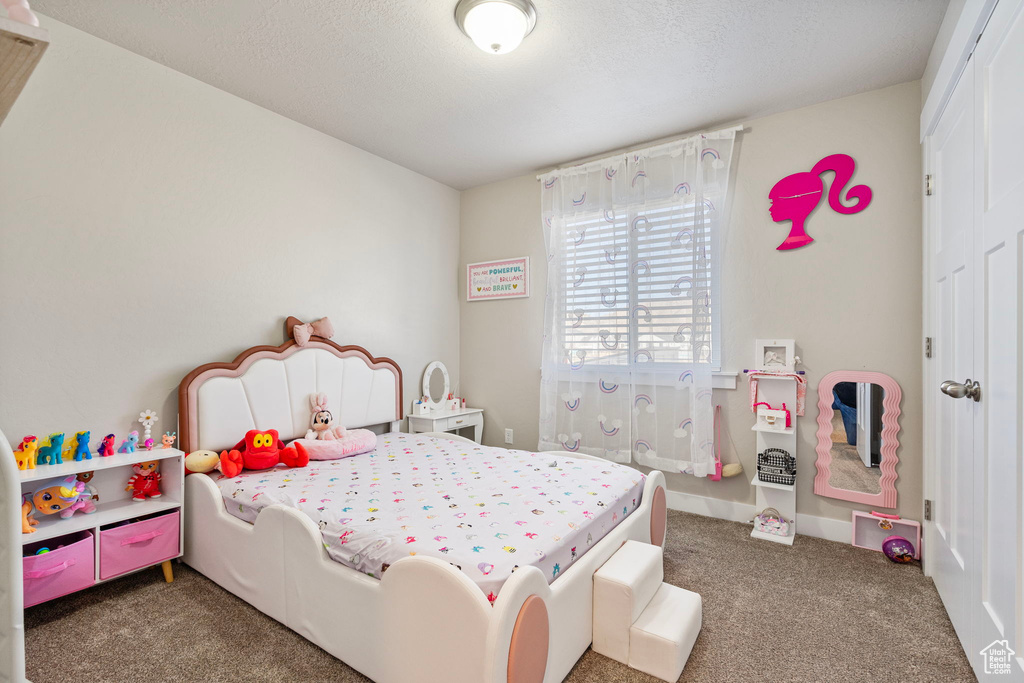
[(321, 423)]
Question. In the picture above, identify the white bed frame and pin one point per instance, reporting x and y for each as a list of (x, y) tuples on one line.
[(424, 620)]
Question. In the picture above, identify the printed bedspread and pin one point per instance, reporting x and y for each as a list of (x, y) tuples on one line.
[(485, 510)]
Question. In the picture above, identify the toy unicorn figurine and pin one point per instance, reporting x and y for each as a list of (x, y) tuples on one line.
[(106, 447), (55, 496), (128, 445), (78, 447), (321, 422), (26, 453), (49, 453)]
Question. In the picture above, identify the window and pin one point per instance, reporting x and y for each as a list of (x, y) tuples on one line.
[(636, 287)]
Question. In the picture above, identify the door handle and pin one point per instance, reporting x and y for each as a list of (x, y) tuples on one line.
[(956, 390)]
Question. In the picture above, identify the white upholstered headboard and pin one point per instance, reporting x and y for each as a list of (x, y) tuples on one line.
[(268, 387)]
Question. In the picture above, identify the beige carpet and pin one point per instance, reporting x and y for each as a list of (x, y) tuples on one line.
[(819, 611), (847, 469)]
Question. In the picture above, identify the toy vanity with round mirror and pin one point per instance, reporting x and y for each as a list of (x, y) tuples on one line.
[(858, 437), (435, 412), (436, 384)]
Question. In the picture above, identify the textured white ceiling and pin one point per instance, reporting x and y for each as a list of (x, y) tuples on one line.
[(398, 78)]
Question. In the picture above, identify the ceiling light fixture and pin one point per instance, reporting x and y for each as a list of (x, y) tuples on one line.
[(496, 26)]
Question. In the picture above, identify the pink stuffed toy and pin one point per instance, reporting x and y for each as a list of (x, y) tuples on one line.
[(321, 423)]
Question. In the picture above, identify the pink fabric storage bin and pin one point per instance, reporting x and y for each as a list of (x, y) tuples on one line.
[(132, 546), (60, 571)]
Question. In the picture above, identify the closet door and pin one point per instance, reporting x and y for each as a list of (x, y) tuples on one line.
[(951, 303), (997, 594)]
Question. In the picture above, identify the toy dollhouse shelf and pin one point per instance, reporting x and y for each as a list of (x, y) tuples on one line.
[(97, 463)]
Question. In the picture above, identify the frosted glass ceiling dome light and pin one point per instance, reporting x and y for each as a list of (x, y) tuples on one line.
[(496, 26)]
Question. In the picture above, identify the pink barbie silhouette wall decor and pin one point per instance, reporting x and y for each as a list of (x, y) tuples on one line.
[(796, 196)]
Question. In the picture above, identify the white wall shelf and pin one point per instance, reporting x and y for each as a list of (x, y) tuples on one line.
[(775, 391), (97, 463)]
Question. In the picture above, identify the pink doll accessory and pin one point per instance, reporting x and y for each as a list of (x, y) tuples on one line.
[(796, 196), (320, 328)]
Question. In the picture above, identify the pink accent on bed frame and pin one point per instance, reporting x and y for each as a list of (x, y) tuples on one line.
[(659, 518), (890, 437), (187, 418), (528, 651)]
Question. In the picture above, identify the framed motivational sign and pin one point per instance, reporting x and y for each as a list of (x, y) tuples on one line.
[(505, 279)]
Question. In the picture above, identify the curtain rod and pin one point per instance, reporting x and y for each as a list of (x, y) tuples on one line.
[(604, 156)]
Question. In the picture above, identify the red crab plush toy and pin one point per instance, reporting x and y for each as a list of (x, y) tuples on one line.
[(262, 450)]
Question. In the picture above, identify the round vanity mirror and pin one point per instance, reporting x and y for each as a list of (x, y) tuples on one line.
[(436, 384)]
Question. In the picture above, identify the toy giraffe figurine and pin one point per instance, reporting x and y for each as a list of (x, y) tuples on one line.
[(18, 10)]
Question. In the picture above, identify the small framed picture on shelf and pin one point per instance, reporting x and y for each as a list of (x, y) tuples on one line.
[(775, 355)]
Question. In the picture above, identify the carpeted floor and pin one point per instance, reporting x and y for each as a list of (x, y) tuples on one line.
[(848, 471), (818, 611)]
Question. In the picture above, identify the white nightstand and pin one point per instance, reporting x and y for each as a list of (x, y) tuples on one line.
[(449, 421)]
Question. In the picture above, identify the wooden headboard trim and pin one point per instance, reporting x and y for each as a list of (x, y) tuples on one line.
[(187, 390)]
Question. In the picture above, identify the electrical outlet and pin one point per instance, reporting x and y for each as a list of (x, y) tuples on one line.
[(508, 436)]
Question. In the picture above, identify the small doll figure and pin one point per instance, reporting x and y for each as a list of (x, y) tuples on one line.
[(145, 481), (150, 443), (90, 496), (79, 447), (106, 447), (55, 496), (321, 423), (26, 453), (128, 445), (168, 439), (49, 452)]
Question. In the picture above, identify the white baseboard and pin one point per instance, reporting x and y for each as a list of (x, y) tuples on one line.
[(808, 525)]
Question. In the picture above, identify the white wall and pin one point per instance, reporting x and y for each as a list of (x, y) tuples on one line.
[(852, 300), (150, 223)]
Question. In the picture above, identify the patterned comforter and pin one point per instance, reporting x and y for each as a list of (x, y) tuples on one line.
[(485, 510)]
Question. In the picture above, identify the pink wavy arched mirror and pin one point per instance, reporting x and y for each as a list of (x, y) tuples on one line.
[(858, 437)]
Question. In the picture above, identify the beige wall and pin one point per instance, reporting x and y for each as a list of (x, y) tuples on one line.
[(852, 300), (150, 223)]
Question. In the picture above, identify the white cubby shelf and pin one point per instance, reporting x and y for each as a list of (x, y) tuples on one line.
[(97, 463)]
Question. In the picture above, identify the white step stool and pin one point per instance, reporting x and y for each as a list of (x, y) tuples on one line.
[(638, 620)]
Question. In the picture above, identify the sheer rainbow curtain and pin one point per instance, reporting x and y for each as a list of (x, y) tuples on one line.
[(631, 315)]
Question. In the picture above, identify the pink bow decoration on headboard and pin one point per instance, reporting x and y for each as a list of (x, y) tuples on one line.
[(301, 332)]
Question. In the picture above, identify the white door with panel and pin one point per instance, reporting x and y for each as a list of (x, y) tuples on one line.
[(976, 439)]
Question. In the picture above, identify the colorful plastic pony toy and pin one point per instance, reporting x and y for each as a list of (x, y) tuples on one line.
[(106, 447), (262, 450), (79, 447), (57, 495), (145, 481), (49, 452), (128, 445), (26, 453)]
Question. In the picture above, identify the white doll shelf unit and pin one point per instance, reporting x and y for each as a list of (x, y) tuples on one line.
[(775, 356)]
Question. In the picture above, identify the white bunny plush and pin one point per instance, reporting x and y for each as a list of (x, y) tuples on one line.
[(321, 423)]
